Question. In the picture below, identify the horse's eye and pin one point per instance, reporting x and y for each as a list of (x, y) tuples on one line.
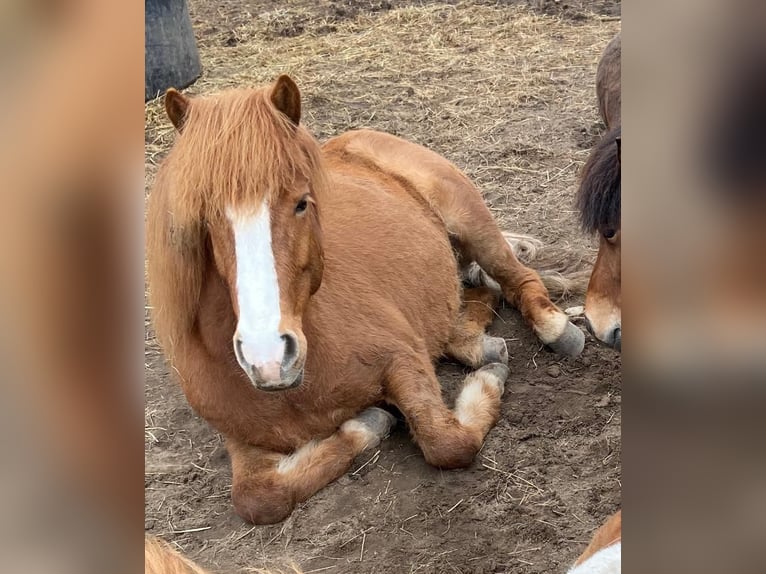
[(301, 207), (609, 233)]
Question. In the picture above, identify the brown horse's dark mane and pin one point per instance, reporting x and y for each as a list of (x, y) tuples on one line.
[(598, 198), (235, 150)]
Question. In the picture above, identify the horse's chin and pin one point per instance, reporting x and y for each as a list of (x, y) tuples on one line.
[(286, 382), (614, 340)]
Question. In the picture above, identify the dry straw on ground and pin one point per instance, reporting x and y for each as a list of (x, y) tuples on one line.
[(486, 86)]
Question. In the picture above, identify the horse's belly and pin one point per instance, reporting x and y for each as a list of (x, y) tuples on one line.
[(385, 249)]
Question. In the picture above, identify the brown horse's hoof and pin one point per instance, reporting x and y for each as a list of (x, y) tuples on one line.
[(376, 420), (570, 343), (495, 350), (498, 373)]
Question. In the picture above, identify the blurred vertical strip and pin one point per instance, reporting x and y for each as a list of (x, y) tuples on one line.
[(691, 193), (71, 285), (694, 285)]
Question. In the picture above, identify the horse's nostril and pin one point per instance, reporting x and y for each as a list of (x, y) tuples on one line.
[(617, 339), (291, 349)]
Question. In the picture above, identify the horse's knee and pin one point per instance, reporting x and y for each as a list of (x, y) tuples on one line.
[(455, 451), (262, 505)]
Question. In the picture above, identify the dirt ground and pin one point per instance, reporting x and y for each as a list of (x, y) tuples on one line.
[(506, 91)]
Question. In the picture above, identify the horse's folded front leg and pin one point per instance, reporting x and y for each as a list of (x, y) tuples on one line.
[(267, 485), (448, 438)]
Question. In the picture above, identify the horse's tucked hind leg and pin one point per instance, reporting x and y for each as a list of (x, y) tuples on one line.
[(266, 486), (468, 343), (478, 238), (448, 439)]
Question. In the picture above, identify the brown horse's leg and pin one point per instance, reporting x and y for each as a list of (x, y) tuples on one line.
[(448, 439), (266, 486), (468, 343), (478, 238)]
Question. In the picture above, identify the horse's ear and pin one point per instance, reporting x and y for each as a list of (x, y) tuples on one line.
[(176, 106), (618, 141), (286, 97)]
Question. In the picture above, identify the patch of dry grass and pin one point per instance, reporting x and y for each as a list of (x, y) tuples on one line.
[(501, 91)]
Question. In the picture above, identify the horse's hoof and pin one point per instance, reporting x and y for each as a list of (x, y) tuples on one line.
[(498, 373), (495, 350), (570, 343), (377, 420)]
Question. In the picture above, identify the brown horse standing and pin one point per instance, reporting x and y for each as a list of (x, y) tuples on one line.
[(296, 287), (599, 203)]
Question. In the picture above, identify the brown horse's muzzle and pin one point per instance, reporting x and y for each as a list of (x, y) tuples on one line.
[(284, 371), (611, 336)]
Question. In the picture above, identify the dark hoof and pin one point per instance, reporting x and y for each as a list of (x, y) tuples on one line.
[(378, 420), (570, 343), (499, 371), (495, 350)]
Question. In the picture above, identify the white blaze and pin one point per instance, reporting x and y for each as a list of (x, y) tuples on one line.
[(257, 288), (606, 561)]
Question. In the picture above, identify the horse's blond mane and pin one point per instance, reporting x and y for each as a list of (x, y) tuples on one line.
[(235, 150)]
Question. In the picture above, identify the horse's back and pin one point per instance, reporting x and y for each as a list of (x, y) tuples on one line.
[(423, 172), (608, 82)]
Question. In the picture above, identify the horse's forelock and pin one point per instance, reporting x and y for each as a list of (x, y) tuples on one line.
[(237, 151), (599, 195)]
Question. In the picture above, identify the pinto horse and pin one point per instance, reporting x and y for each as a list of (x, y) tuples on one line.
[(599, 204), (295, 288)]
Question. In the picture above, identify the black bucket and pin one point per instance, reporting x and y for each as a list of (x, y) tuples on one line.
[(171, 56)]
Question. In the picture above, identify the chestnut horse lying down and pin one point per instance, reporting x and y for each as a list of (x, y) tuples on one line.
[(604, 553), (295, 287)]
